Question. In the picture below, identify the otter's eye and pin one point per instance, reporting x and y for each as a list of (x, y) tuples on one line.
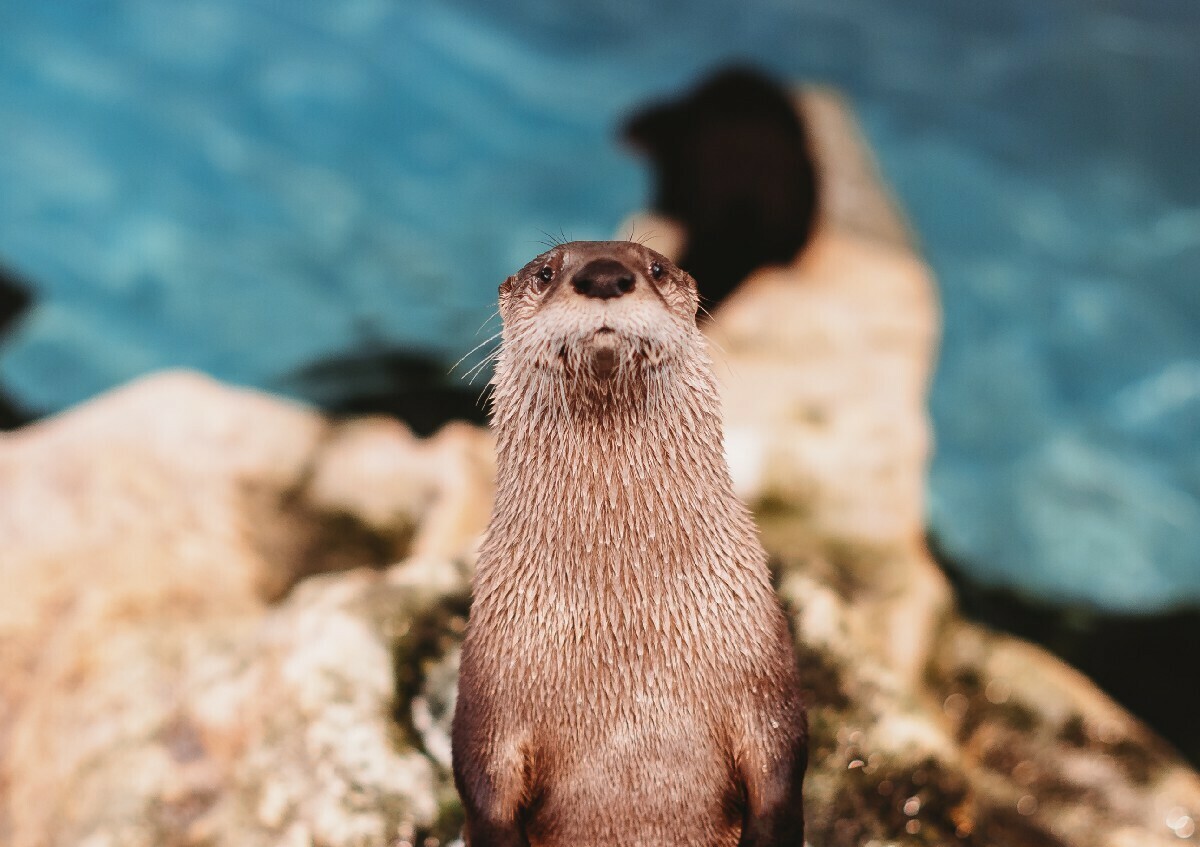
[(656, 270), (546, 273)]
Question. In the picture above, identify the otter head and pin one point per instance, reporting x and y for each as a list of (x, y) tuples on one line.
[(600, 315)]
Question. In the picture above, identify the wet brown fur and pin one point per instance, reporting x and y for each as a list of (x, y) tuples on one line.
[(627, 676)]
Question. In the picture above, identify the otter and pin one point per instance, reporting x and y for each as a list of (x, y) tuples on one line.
[(628, 675)]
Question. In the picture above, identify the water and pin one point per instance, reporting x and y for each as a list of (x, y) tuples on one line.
[(250, 187)]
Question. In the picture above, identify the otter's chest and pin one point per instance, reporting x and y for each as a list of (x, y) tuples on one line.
[(655, 638)]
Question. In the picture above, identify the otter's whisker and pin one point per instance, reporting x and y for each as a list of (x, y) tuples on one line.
[(495, 314), (491, 357), (468, 354), (725, 357), (489, 391)]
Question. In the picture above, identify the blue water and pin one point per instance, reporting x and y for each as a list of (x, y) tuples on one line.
[(248, 187)]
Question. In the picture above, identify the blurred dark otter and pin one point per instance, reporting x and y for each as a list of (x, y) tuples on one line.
[(733, 166), (627, 676), (14, 300)]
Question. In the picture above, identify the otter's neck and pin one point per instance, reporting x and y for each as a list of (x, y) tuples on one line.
[(594, 484)]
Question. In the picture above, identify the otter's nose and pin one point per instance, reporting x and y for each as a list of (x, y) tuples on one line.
[(603, 278)]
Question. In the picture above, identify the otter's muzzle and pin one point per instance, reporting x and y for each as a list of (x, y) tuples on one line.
[(603, 279)]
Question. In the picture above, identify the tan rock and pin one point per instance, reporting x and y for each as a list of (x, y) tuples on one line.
[(148, 691), (441, 487), (825, 364), (926, 729)]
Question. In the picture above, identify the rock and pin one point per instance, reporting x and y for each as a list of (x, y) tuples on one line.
[(997, 741), (826, 363), (927, 729), (149, 691), (439, 488), (228, 620)]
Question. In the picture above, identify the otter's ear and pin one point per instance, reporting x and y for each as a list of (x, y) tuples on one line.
[(690, 290)]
